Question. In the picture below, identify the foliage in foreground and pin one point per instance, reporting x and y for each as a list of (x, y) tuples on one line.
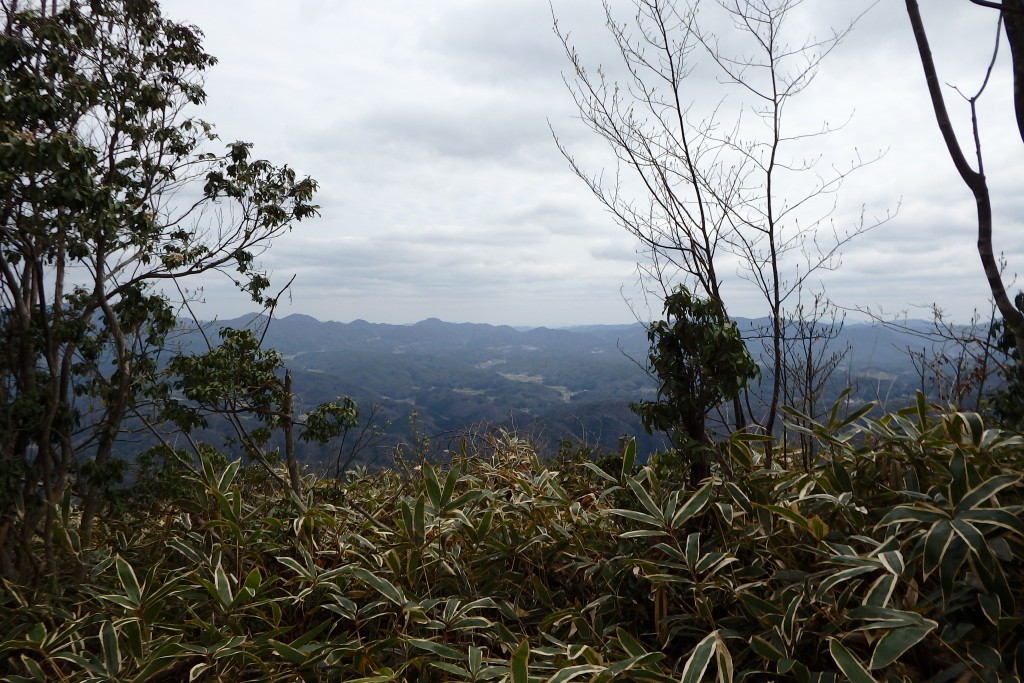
[(899, 556)]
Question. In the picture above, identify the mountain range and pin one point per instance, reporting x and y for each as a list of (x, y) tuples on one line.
[(443, 382)]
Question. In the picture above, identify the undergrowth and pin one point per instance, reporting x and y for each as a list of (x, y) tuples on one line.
[(898, 556)]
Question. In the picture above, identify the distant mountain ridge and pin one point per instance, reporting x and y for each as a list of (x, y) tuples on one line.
[(870, 343), (297, 333), (551, 383)]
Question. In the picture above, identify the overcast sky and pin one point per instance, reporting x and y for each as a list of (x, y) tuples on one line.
[(443, 194)]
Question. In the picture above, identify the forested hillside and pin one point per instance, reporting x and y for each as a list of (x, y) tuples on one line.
[(553, 385)]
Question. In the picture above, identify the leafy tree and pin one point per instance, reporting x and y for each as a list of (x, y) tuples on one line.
[(109, 200), (238, 380), (701, 361)]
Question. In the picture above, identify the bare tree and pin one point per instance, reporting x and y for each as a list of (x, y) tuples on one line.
[(717, 193), (810, 362), (1011, 17)]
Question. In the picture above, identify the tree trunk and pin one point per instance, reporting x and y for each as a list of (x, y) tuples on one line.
[(975, 180), (1013, 23), (289, 436)]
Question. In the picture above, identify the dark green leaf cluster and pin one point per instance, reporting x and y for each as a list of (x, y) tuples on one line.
[(700, 361), (898, 556)]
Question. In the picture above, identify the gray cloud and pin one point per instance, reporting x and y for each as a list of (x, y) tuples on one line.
[(443, 194)]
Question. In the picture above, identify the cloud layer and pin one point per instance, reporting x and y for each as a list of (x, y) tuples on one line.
[(444, 195)]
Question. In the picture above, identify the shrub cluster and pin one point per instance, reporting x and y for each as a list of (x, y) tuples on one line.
[(898, 556)]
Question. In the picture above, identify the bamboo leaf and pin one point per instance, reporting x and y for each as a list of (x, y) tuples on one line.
[(437, 649), (129, 581), (935, 544), (893, 561), (570, 672), (739, 498), (643, 533), (292, 564), (599, 472), (645, 499), (449, 488), (724, 660), (893, 644), (983, 492), (699, 659), (111, 651), (881, 591), (381, 585), (694, 505), (520, 663), (289, 653), (453, 669), (637, 516), (1000, 517), (467, 497), (765, 649), (628, 460), (839, 577), (907, 513), (431, 484), (223, 586), (848, 664)]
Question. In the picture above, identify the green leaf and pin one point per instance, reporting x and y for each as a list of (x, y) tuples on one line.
[(223, 586), (983, 492), (599, 472), (228, 476), (630, 644), (292, 564), (881, 591), (437, 648), (848, 664), (467, 497), (253, 580), (643, 533), (1000, 517), (128, 580), (893, 644), (935, 544), (520, 663), (570, 672), (432, 486), (381, 585), (694, 505), (699, 659), (453, 669), (907, 513), (628, 460), (111, 651), (634, 664), (893, 561), (839, 577), (739, 498), (449, 488), (289, 653), (637, 517), (885, 617), (765, 649), (724, 660), (645, 499), (133, 631), (791, 515)]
